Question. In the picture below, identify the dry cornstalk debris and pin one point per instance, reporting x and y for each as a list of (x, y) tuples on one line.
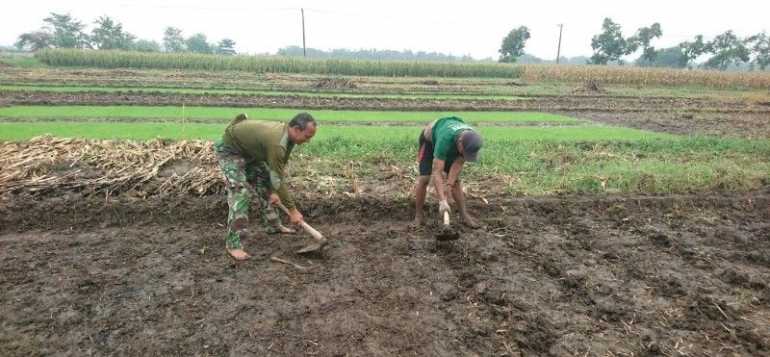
[(156, 166), (136, 168)]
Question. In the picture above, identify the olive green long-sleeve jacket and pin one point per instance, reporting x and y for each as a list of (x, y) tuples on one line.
[(264, 142)]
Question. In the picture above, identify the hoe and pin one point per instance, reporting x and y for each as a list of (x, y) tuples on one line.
[(320, 241), (447, 233)]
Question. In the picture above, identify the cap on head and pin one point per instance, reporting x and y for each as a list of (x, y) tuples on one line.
[(472, 143)]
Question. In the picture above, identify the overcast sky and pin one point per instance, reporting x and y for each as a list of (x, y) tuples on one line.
[(474, 28)]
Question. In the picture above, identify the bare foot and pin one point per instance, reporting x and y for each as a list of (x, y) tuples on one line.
[(469, 222), (284, 230), (287, 230), (417, 223), (239, 254)]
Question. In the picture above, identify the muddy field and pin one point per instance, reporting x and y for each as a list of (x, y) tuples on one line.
[(677, 275), (680, 275)]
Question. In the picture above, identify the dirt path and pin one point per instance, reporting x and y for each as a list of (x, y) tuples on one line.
[(550, 276)]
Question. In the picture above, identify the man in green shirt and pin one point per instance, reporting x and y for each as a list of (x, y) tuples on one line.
[(444, 147), (254, 153)]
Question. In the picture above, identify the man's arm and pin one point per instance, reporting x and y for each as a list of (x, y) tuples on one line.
[(454, 171), (440, 153), (438, 182), (276, 166)]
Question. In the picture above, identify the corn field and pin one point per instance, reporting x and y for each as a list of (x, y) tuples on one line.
[(264, 64), (645, 76), (528, 73)]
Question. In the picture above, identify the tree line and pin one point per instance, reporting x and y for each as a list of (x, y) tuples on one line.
[(610, 46), (64, 31)]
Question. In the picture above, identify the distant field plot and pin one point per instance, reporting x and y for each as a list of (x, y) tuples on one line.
[(272, 93), (174, 113), (177, 131)]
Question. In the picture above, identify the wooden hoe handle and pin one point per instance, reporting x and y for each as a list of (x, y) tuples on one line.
[(316, 234)]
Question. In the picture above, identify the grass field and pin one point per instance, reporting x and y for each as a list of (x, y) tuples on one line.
[(540, 152), (226, 114), (535, 160), (179, 131)]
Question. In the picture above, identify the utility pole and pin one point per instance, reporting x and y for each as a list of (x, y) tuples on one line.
[(304, 51), (558, 50)]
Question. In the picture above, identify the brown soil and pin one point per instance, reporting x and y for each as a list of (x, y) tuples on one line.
[(84, 274), (601, 103), (546, 276)]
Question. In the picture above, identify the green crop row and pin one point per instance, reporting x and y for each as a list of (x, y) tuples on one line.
[(525, 160), (174, 113), (357, 133)]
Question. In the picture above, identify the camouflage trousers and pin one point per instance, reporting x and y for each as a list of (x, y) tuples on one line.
[(240, 175)]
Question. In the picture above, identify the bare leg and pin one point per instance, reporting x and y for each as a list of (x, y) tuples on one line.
[(420, 191), (459, 197)]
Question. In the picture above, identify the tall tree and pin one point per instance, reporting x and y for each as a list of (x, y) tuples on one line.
[(226, 47), (146, 46), (109, 35), (513, 44), (671, 57), (760, 50), (199, 44), (610, 44), (35, 40), (173, 40), (693, 50), (642, 39), (67, 32), (727, 49)]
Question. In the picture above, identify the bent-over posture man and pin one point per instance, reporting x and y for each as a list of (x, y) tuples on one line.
[(444, 147), (254, 153)]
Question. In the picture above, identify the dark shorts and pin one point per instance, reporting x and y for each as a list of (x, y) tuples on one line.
[(425, 157)]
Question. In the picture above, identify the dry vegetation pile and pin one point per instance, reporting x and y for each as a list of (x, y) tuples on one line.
[(50, 166), (591, 86), (45, 164), (335, 83)]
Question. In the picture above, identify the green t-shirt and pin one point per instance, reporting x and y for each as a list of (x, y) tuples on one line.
[(444, 136)]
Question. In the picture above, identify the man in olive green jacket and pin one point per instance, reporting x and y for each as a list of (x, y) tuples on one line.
[(253, 152)]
